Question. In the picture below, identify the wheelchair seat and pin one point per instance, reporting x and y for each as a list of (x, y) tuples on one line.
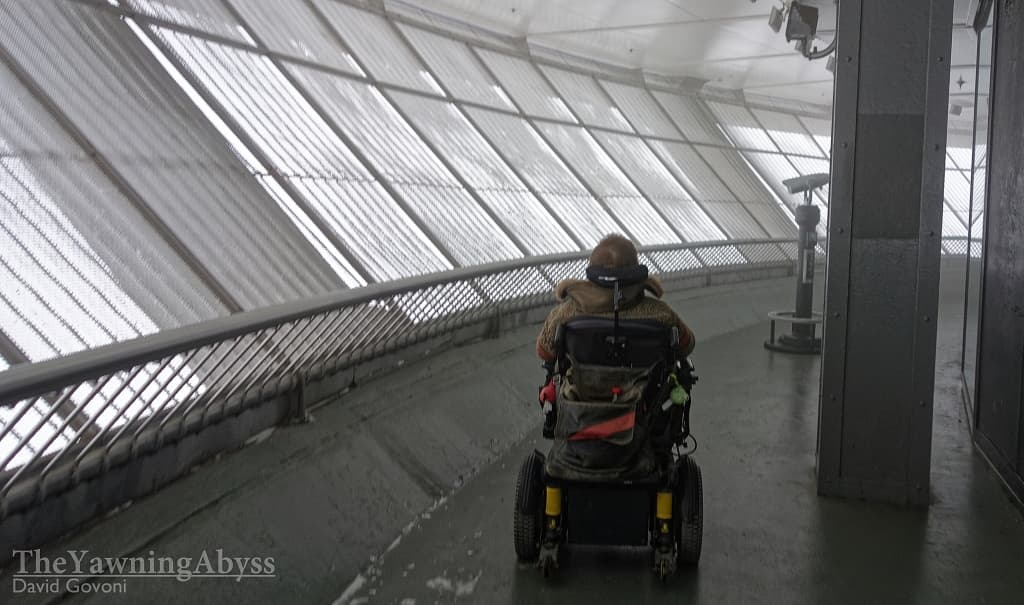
[(609, 425)]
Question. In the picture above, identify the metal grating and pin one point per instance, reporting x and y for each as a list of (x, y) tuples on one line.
[(676, 261), (480, 166), (303, 147), (641, 110), (689, 117), (379, 47), (763, 253), (720, 256), (291, 28), (165, 150), (457, 68), (586, 98), (658, 184), (389, 143), (201, 15), (526, 86), (787, 132), (533, 158), (160, 392), (604, 177)]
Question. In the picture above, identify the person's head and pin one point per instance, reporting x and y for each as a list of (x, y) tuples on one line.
[(614, 252)]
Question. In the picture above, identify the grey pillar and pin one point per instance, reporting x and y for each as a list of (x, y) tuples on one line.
[(882, 277)]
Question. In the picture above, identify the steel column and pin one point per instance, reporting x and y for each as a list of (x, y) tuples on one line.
[(878, 363)]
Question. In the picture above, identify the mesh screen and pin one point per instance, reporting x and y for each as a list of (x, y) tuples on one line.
[(458, 69), (165, 150), (658, 184), (691, 119), (202, 15), (484, 170), (586, 98), (641, 110), (593, 164), (291, 28), (742, 127), (526, 86), (526, 150), (376, 44), (787, 132), (303, 147)]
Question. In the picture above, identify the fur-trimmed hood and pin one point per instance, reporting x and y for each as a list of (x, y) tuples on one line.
[(592, 298)]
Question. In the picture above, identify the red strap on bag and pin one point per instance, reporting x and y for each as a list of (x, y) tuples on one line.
[(548, 393)]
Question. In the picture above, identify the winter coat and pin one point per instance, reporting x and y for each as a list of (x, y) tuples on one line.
[(579, 297)]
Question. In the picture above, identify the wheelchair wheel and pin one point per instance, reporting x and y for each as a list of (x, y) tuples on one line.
[(690, 512), (528, 517)]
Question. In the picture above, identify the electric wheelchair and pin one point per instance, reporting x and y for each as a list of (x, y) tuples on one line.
[(617, 406)]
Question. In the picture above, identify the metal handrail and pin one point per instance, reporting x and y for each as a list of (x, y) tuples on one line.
[(31, 380), (68, 419)]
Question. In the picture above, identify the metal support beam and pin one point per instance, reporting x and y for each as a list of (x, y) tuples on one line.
[(889, 138)]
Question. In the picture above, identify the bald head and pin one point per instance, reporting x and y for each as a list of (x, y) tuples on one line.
[(614, 252)]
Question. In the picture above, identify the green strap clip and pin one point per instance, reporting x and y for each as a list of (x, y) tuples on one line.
[(678, 395)]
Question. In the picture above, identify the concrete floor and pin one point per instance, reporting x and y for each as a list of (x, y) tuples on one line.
[(323, 498), (768, 537)]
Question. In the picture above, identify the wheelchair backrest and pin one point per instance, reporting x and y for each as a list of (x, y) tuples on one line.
[(636, 343)]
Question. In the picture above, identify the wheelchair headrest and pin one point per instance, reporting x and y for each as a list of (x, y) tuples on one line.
[(624, 276)]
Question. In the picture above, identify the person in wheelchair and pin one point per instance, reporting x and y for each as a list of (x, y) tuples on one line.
[(616, 403), (578, 297)]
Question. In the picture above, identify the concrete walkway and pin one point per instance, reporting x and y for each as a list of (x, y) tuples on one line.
[(424, 460), (768, 537)]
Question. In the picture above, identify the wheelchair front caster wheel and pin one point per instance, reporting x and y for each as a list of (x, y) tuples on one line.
[(548, 560), (664, 564)]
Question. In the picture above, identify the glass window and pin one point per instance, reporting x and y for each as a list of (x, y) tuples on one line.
[(165, 149)]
